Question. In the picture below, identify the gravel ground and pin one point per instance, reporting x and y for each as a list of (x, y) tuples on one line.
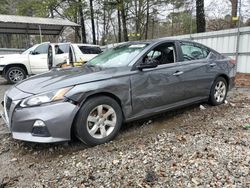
[(190, 147)]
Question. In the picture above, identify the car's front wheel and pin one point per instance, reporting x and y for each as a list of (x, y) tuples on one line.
[(15, 75), (98, 121), (218, 91)]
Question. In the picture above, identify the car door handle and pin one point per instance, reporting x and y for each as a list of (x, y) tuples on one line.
[(212, 64), (178, 73)]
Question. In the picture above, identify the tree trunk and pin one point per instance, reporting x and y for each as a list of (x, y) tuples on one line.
[(147, 21), (124, 21), (97, 31), (137, 17), (234, 9), (119, 25), (76, 29), (172, 23), (92, 21), (112, 24), (153, 28), (104, 26), (82, 22), (200, 16)]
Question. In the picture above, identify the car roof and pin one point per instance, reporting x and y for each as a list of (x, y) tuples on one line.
[(83, 44), (79, 44), (159, 40), (151, 41)]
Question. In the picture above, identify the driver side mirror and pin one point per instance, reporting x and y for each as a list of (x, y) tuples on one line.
[(147, 64), (33, 53)]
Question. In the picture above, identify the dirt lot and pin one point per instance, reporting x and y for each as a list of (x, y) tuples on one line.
[(185, 148)]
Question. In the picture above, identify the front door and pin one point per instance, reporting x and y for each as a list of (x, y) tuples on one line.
[(38, 59), (156, 88)]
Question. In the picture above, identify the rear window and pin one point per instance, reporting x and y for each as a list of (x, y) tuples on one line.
[(192, 51), (90, 49)]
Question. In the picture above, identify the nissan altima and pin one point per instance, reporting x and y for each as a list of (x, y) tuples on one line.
[(131, 81)]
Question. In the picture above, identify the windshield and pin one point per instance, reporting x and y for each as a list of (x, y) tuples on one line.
[(30, 49), (119, 56)]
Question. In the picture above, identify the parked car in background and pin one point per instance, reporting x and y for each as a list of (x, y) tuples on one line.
[(125, 83), (70, 54), (16, 67)]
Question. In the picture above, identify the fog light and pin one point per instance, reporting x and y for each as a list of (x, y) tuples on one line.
[(39, 123), (40, 129)]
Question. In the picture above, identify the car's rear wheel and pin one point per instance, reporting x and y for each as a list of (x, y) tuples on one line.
[(218, 91), (15, 75), (98, 121)]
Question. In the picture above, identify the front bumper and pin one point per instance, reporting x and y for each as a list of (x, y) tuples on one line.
[(30, 138), (57, 117)]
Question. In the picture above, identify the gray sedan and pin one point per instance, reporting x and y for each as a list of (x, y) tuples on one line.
[(126, 83)]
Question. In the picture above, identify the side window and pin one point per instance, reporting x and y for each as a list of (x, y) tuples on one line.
[(193, 52), (41, 49), (61, 48), (215, 55), (96, 50), (154, 54), (163, 54), (90, 50)]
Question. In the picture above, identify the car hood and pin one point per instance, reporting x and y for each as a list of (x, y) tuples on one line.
[(10, 55), (4, 58), (61, 78)]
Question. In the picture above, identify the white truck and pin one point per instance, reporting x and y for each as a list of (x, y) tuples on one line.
[(42, 57)]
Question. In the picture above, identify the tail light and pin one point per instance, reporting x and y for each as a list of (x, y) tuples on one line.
[(232, 61)]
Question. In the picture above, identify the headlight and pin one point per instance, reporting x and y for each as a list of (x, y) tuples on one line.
[(45, 97)]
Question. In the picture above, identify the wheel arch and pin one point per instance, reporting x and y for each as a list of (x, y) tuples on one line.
[(108, 94), (14, 65), (225, 77)]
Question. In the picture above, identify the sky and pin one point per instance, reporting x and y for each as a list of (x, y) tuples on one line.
[(213, 9), (223, 7)]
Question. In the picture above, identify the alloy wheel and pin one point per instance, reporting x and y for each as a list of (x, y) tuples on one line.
[(101, 121), (220, 91), (16, 75)]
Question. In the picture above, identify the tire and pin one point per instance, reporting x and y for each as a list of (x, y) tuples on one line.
[(98, 121), (15, 74), (218, 91)]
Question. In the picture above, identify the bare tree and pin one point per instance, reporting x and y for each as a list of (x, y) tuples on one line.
[(119, 25), (82, 22), (234, 8), (92, 20), (147, 20), (124, 19), (200, 16)]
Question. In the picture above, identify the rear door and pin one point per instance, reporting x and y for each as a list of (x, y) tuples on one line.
[(38, 59), (61, 54), (198, 71)]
